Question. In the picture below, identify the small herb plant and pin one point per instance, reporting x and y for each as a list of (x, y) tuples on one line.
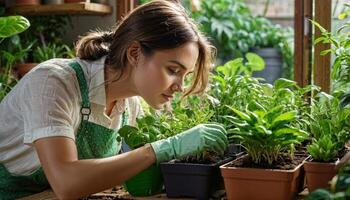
[(329, 128), (160, 125), (265, 134)]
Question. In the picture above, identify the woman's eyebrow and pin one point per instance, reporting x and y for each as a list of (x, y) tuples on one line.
[(179, 64)]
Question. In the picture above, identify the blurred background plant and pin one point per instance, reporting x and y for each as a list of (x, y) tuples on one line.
[(234, 31), (340, 48), (9, 26)]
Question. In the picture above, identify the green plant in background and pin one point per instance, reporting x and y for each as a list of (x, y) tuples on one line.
[(227, 23), (329, 127), (44, 35), (230, 88), (340, 48), (273, 35), (52, 50), (9, 26), (339, 190), (234, 31)]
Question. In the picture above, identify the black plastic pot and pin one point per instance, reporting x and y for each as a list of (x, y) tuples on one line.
[(199, 181), (273, 64)]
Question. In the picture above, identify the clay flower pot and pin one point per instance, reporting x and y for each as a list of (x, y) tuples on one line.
[(259, 184), (22, 68), (318, 174)]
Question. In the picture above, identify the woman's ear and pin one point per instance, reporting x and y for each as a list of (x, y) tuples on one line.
[(133, 53)]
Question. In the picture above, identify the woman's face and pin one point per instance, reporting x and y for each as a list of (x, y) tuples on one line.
[(159, 76)]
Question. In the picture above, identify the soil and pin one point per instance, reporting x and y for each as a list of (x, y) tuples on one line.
[(284, 162), (209, 158), (113, 194)]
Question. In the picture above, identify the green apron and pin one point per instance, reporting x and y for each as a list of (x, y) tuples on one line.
[(92, 141)]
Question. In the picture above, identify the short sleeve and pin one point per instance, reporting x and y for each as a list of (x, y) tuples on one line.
[(47, 104)]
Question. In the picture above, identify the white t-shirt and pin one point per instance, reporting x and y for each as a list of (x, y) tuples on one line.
[(46, 103)]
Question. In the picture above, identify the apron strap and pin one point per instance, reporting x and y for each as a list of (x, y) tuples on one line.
[(84, 90)]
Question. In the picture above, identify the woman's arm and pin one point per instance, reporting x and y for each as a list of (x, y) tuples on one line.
[(71, 178)]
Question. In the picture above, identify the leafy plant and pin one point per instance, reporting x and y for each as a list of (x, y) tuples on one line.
[(340, 48), (329, 128), (157, 125), (12, 25), (9, 26), (234, 31), (52, 51), (265, 133), (43, 33), (233, 86), (324, 149), (149, 129), (230, 88)]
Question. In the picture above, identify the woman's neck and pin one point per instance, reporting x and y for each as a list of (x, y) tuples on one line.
[(117, 86)]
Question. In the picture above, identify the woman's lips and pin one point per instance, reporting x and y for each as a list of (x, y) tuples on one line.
[(167, 97)]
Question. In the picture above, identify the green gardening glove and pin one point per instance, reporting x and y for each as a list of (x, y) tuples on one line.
[(195, 140)]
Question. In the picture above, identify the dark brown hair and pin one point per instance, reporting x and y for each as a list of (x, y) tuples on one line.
[(156, 25)]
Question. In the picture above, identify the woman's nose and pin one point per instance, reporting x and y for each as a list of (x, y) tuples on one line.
[(177, 87)]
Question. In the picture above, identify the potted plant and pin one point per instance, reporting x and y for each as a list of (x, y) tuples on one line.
[(339, 188), (272, 44), (269, 129), (197, 176), (235, 31), (149, 181), (44, 32), (329, 127)]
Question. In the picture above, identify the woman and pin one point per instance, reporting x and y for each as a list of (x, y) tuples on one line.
[(58, 124)]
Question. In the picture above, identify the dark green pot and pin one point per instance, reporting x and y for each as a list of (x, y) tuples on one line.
[(146, 183)]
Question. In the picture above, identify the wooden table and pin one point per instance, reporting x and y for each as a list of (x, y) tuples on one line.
[(120, 193), (117, 193)]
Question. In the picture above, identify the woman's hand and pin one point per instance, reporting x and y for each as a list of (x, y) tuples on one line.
[(195, 140)]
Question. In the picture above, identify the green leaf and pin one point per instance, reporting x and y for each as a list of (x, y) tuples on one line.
[(12, 25), (126, 130), (284, 118), (342, 16), (255, 62), (283, 83), (240, 114)]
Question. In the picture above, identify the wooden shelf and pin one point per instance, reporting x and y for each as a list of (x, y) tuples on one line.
[(62, 9)]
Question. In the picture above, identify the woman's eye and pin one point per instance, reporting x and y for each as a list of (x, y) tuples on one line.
[(173, 71)]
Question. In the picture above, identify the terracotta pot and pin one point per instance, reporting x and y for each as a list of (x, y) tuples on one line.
[(27, 2), (318, 174), (260, 184), (22, 68)]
